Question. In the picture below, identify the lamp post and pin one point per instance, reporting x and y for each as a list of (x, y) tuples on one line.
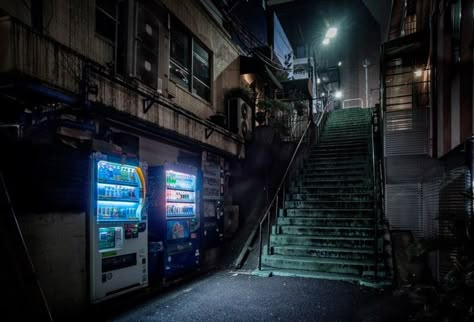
[(330, 34)]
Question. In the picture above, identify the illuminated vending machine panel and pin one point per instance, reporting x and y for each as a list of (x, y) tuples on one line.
[(213, 196), (118, 228), (174, 217)]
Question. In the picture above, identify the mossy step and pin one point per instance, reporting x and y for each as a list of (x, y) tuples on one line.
[(322, 241), (337, 221), (326, 231), (328, 213), (338, 158), (324, 252), (337, 140), (310, 176), (341, 145), (331, 184), (329, 189), (323, 154), (339, 149), (329, 196), (336, 167), (328, 204), (355, 267), (335, 162), (333, 179), (346, 131), (334, 171)]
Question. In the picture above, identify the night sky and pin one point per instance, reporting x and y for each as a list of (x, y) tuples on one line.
[(381, 11)]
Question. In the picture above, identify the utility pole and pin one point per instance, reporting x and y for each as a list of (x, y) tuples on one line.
[(366, 64)]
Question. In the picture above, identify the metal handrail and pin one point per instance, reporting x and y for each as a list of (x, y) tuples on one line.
[(281, 187), (378, 179), (374, 192)]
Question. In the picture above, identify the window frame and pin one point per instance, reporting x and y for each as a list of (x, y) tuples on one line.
[(191, 75), (114, 19)]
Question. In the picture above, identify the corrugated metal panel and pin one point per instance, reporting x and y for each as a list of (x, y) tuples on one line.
[(452, 206), (430, 220), (405, 169), (403, 206), (406, 132)]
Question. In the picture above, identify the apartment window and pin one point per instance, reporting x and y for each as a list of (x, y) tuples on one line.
[(190, 63), (456, 30), (106, 18)]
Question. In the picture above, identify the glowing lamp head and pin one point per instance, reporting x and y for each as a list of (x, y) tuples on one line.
[(418, 72), (326, 41), (331, 33), (338, 95)]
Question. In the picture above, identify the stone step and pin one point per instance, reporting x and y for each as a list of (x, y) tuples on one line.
[(330, 189), (355, 184), (322, 241), (337, 154), (329, 213), (363, 158), (328, 204), (327, 172), (341, 145), (344, 131), (356, 267), (338, 140), (337, 179), (326, 222), (326, 138), (337, 148), (324, 252), (334, 166), (329, 196), (326, 231)]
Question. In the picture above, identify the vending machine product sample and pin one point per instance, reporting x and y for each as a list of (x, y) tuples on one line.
[(174, 217), (117, 227)]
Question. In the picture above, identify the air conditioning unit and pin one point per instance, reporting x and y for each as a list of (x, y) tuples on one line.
[(239, 117)]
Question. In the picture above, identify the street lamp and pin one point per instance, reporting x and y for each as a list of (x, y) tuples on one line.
[(338, 95), (326, 41), (331, 33)]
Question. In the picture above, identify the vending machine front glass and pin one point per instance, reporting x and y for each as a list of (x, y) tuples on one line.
[(180, 195), (119, 192)]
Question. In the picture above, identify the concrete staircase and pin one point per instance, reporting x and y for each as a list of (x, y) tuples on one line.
[(326, 228)]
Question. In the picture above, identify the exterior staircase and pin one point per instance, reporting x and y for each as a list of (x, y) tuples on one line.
[(326, 228)]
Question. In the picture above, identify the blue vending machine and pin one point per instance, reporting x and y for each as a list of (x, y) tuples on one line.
[(118, 238), (174, 217)]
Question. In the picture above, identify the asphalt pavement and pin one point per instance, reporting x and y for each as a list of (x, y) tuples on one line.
[(238, 296)]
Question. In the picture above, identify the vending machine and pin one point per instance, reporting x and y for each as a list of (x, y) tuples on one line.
[(213, 200), (174, 217), (117, 226)]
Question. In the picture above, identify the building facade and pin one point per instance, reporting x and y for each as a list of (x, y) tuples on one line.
[(427, 100), (143, 78)]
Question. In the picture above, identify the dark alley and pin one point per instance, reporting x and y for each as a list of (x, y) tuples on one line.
[(237, 160)]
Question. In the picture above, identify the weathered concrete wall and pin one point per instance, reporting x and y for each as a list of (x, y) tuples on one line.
[(225, 64), (254, 181), (57, 245)]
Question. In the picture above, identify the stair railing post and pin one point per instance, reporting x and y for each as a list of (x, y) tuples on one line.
[(260, 248), (276, 215), (269, 217), (374, 187)]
